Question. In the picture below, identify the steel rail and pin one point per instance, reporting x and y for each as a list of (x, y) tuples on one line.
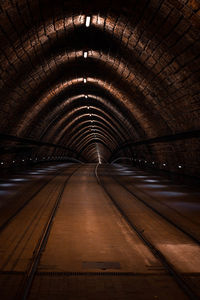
[(157, 253), (197, 241), (32, 268), (19, 209)]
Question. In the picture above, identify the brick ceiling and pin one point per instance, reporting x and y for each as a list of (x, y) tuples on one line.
[(141, 71)]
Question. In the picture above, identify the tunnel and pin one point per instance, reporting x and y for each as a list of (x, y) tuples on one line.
[(99, 149)]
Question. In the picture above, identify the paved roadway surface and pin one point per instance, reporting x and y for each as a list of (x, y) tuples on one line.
[(92, 252)]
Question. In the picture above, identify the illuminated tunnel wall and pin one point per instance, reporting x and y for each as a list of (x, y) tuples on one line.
[(99, 80)]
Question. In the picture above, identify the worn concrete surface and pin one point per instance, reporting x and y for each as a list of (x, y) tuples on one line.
[(92, 253)]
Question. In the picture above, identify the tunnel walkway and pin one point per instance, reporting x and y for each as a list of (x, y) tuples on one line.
[(98, 232)]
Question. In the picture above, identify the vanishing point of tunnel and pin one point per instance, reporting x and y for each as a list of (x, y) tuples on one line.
[(99, 149)]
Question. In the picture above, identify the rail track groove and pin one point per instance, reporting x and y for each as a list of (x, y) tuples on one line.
[(157, 253), (32, 268)]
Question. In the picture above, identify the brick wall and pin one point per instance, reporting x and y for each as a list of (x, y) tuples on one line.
[(143, 61)]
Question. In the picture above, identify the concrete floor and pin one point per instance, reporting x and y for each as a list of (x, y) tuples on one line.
[(92, 252)]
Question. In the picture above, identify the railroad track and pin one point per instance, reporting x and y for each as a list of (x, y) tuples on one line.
[(164, 204), (197, 241), (19, 209), (154, 250), (30, 273)]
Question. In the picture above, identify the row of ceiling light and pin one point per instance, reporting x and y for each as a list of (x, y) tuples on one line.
[(87, 24), (85, 55)]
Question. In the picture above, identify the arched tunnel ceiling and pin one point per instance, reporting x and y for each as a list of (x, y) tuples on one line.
[(139, 81)]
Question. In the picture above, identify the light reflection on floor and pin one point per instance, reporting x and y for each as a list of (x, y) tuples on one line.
[(151, 186), (171, 194), (18, 179), (2, 185), (151, 180), (11, 185), (183, 198)]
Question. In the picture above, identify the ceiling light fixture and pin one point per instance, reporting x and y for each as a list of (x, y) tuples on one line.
[(87, 22)]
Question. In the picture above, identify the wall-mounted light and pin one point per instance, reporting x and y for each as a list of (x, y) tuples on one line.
[(84, 80), (164, 165), (86, 96), (88, 107), (85, 54), (180, 167), (88, 20)]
